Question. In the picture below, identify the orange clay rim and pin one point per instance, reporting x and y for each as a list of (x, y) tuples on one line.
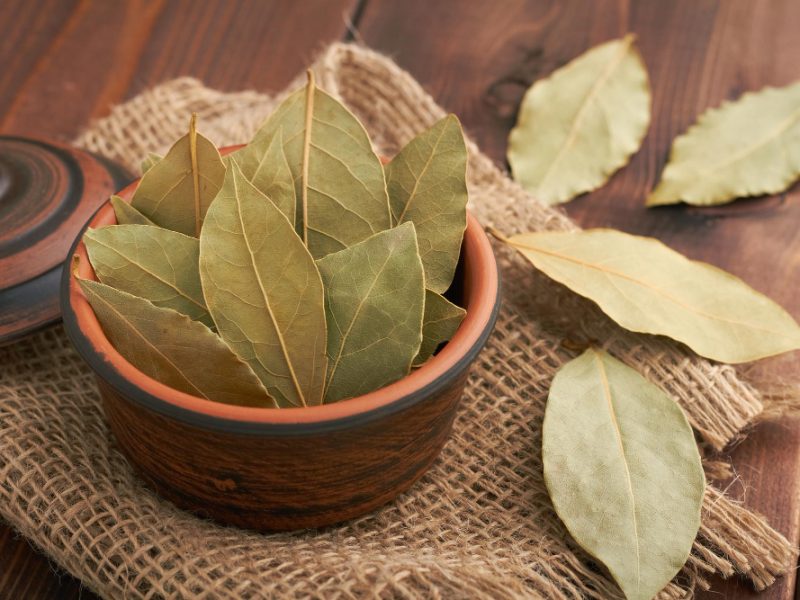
[(481, 289)]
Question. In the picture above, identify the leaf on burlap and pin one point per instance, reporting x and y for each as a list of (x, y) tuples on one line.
[(150, 161), (374, 302), (647, 287), (622, 468), (264, 292), (743, 148), (266, 167), (150, 262), (338, 177), (582, 123), (440, 321), (427, 185), (171, 348), (177, 191), (126, 214)]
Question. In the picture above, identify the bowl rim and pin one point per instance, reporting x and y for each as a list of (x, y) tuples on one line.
[(84, 330)]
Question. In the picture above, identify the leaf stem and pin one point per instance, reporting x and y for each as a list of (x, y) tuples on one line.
[(195, 173), (307, 150), (497, 234)]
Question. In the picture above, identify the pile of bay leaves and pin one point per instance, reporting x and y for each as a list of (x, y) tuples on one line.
[(295, 271)]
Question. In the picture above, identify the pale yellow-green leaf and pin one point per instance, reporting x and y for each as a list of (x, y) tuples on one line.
[(176, 192), (743, 148), (427, 184), (582, 123), (264, 292), (126, 214), (374, 301), (439, 323), (622, 469), (345, 187), (266, 167), (647, 287), (150, 161), (150, 262), (171, 348)]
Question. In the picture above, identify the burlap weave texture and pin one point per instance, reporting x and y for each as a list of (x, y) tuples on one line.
[(479, 524)]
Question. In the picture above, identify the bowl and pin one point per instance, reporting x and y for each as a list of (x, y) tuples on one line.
[(274, 469)]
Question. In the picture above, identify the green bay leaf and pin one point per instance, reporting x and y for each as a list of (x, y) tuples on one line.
[(440, 321), (427, 185), (374, 301), (743, 148), (126, 214), (647, 287), (264, 292), (176, 192), (582, 123), (150, 262), (623, 471), (344, 187), (150, 161), (171, 348)]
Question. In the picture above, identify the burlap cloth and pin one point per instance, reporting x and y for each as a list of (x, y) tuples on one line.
[(479, 524)]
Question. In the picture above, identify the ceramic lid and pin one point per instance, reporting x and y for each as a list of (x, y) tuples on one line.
[(47, 192)]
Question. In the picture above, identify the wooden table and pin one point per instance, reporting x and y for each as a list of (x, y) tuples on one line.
[(64, 62)]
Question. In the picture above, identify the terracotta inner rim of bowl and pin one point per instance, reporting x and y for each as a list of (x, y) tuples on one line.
[(480, 292)]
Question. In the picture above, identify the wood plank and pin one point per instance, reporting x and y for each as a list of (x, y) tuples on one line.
[(698, 53)]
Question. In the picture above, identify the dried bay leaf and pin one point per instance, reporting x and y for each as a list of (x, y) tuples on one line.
[(647, 287), (150, 161), (582, 123), (374, 301), (126, 214), (176, 192), (339, 179), (440, 321), (427, 185), (623, 471), (264, 292), (171, 348), (743, 148), (150, 262)]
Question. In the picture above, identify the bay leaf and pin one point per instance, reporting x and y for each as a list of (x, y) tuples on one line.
[(150, 262), (647, 287), (267, 169), (338, 177), (440, 321), (264, 291), (743, 148), (126, 214), (150, 161), (171, 348), (374, 301), (176, 192), (427, 185), (582, 123), (623, 471)]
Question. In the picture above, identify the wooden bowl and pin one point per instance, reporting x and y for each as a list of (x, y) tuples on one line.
[(281, 469)]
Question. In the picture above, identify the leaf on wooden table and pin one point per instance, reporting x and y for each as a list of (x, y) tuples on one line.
[(150, 262), (647, 287), (439, 323), (374, 301), (177, 191), (582, 123), (171, 348), (743, 148), (427, 184), (338, 177), (266, 167), (126, 214), (622, 469), (150, 161), (264, 292)]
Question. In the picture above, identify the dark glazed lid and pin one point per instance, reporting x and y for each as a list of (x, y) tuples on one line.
[(47, 192)]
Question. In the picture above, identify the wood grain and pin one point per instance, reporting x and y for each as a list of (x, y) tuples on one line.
[(476, 58)]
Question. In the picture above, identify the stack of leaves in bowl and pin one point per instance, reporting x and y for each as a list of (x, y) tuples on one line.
[(295, 271)]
